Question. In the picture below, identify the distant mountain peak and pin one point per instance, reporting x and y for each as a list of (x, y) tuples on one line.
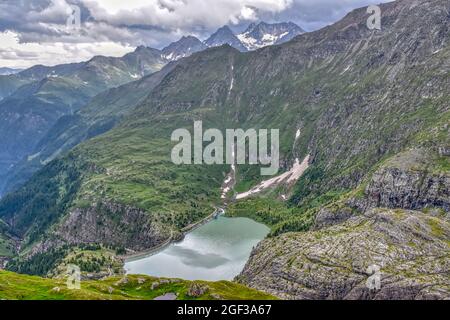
[(250, 27), (184, 47), (265, 34), (257, 35), (8, 71), (225, 35)]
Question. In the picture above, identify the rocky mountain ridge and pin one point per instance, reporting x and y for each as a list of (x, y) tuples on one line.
[(256, 36)]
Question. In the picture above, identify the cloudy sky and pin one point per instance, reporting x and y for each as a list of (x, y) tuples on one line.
[(48, 31)]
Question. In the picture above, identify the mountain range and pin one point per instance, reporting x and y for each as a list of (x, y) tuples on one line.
[(8, 71), (365, 110), (36, 98), (256, 36)]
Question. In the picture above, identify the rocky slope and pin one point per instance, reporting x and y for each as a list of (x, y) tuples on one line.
[(410, 180), (223, 36), (182, 48), (411, 249), (100, 225)]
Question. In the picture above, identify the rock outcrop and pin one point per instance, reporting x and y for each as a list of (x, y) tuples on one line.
[(114, 225), (410, 180), (197, 289), (406, 252), (394, 188), (330, 216)]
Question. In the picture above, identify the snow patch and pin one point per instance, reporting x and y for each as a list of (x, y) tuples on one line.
[(288, 177), (345, 70), (232, 80), (283, 35), (229, 179)]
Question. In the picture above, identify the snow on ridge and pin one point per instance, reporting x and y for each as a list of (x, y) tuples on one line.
[(266, 40)]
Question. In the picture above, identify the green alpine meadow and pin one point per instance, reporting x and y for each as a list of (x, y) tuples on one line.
[(93, 206)]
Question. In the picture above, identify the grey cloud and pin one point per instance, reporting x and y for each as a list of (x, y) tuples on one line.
[(9, 54), (315, 14), (160, 21), (156, 24)]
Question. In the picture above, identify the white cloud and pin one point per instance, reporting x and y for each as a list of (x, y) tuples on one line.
[(173, 14), (113, 27), (23, 55)]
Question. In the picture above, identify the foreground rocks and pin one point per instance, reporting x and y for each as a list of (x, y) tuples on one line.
[(412, 250), (197, 289)]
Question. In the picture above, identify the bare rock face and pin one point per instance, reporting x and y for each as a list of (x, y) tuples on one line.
[(112, 224), (327, 217), (410, 180), (383, 254), (394, 188)]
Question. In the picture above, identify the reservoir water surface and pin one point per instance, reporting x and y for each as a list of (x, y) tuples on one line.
[(217, 250)]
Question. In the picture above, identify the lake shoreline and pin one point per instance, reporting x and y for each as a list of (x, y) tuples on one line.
[(212, 250), (184, 231)]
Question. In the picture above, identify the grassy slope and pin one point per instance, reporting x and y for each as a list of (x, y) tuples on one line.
[(101, 114), (40, 104), (130, 165), (23, 287)]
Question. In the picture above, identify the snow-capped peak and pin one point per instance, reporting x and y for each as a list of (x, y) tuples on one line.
[(263, 34), (223, 36), (254, 37)]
